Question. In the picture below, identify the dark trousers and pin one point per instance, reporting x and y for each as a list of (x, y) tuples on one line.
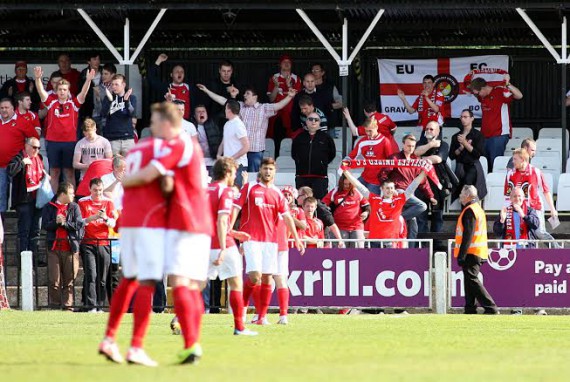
[(113, 278), (28, 226), (96, 261), (319, 186), (474, 290), (495, 147)]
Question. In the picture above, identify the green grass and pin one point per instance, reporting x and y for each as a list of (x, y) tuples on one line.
[(57, 346)]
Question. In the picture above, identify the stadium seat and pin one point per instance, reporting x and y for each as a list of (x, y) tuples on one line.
[(285, 163), (550, 165), (285, 147), (495, 199), (512, 145), (552, 133), (549, 147), (269, 148), (484, 164), (285, 179), (455, 206), (522, 132), (451, 164), (447, 133), (563, 204), (500, 163), (332, 180)]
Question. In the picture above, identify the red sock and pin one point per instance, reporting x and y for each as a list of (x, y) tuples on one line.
[(257, 298), (236, 302), (197, 312), (247, 290), (283, 297), (119, 305), (183, 304), (265, 299), (142, 307)]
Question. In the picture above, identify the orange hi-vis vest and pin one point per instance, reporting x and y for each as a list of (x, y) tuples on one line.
[(478, 245)]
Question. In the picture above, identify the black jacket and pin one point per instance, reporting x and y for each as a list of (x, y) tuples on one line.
[(531, 219), (74, 224), (12, 85), (17, 171), (213, 135), (312, 156), (86, 109)]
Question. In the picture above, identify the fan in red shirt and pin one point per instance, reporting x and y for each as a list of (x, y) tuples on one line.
[(24, 101), (428, 104), (178, 89), (350, 208), (67, 73), (261, 203), (61, 130), (314, 234)]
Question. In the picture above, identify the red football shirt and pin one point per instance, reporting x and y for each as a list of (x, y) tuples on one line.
[(13, 134), (62, 119), (315, 230), (73, 78), (32, 118), (182, 92), (386, 127), (96, 229), (375, 148), (260, 208), (530, 180), (221, 202), (425, 113), (348, 208), (496, 119), (385, 216)]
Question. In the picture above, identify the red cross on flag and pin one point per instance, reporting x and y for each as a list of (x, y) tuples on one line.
[(449, 73)]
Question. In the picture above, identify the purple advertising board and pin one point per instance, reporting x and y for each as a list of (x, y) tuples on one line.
[(360, 277), (519, 278)]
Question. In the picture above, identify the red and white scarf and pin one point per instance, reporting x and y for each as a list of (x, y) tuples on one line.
[(430, 112), (34, 173), (510, 233), (469, 77)]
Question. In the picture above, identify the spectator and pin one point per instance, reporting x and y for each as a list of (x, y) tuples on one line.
[(187, 126), (24, 102), (517, 221), (386, 126), (62, 220), (100, 92), (179, 89), (386, 209), (467, 146), (322, 212), (307, 107), (19, 84), (290, 193), (314, 234), (52, 84), (93, 62), (209, 135), (277, 89), (496, 124), (529, 145), (118, 109), (350, 209), (112, 186), (321, 99), (531, 180), (13, 133), (91, 148), (428, 104), (318, 70), (312, 152), (235, 142), (436, 151), (255, 116), (66, 72), (223, 85), (63, 113), (402, 178), (98, 215), (373, 146), (27, 172)]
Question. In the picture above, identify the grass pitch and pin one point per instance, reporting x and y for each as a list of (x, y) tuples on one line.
[(58, 346)]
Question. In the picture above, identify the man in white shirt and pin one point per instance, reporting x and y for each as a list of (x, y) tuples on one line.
[(91, 148), (112, 187), (234, 142)]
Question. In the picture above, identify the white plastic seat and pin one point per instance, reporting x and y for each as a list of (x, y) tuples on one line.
[(550, 132), (285, 163), (495, 198), (447, 133), (512, 145), (500, 163), (548, 165), (522, 133), (485, 164), (563, 201), (285, 147), (549, 147), (332, 180), (285, 179), (269, 148)]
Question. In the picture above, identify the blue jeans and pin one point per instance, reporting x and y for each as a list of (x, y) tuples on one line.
[(28, 226), (254, 161), (495, 147), (4, 189), (413, 208), (373, 188), (206, 297)]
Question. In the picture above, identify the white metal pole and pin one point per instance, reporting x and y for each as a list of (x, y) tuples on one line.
[(440, 282), (101, 35), (319, 35), (27, 277), (126, 40), (365, 35), (539, 34), (147, 36), (345, 40), (564, 39)]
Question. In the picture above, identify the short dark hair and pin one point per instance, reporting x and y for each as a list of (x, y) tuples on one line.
[(321, 66), (468, 111), (91, 54), (22, 95), (370, 107), (222, 166), (6, 99), (267, 161), (305, 100), (386, 182), (233, 106), (477, 84), (428, 77), (251, 89), (63, 188), (95, 181), (110, 68), (174, 67), (178, 101), (409, 137), (226, 63), (56, 74), (119, 77)]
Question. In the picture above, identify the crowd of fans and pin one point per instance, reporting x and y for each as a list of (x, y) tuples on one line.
[(87, 120)]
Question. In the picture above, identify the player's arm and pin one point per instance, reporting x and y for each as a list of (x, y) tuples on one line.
[(350, 122), (291, 226), (38, 74), (356, 183), (144, 176), (215, 97), (414, 185)]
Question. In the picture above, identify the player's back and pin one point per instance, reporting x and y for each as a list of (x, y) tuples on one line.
[(144, 206), (221, 199)]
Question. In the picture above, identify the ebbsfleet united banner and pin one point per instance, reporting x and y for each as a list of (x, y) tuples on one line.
[(449, 74)]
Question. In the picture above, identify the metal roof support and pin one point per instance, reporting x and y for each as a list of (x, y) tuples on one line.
[(147, 35), (541, 37), (101, 35)]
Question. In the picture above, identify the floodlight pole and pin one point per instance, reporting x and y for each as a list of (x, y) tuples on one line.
[(345, 61)]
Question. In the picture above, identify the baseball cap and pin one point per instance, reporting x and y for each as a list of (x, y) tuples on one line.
[(285, 57), (21, 64)]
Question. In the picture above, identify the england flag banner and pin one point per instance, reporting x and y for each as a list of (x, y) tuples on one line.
[(449, 74)]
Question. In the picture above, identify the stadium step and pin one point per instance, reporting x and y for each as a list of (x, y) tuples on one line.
[(12, 292), (11, 276)]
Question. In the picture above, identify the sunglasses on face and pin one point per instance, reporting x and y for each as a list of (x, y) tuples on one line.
[(313, 119)]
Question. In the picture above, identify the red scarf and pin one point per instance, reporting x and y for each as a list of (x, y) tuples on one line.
[(469, 76), (430, 112), (425, 165), (34, 173), (61, 242), (510, 233)]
